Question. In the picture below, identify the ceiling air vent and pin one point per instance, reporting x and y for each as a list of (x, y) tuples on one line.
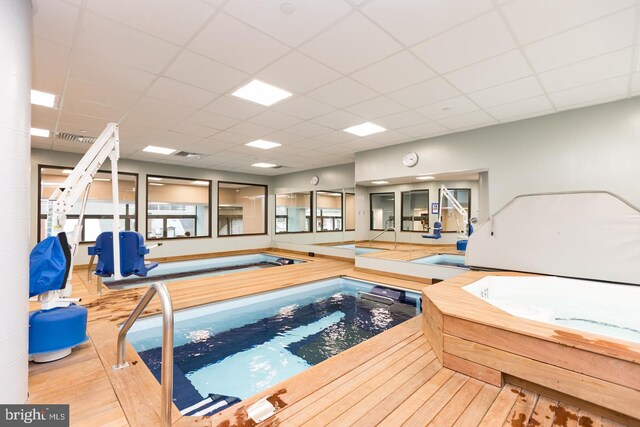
[(189, 155), (83, 139)]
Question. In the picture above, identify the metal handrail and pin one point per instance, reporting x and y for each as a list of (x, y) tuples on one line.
[(395, 236), (167, 344)]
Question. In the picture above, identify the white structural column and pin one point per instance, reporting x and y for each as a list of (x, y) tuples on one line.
[(15, 124)]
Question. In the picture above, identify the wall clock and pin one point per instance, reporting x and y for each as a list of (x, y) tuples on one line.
[(410, 159), (315, 180)]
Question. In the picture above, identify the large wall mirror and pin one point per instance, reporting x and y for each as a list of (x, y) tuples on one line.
[(397, 217), (178, 207), (293, 212)]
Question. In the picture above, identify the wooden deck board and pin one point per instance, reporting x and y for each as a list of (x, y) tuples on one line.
[(391, 379)]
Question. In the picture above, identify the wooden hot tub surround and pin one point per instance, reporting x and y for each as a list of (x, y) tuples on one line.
[(472, 336)]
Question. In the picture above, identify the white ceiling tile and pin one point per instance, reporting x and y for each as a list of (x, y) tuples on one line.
[(361, 144), (180, 93), (479, 39), (388, 137), (533, 20), (283, 137), (308, 19), (449, 108), (308, 129), (361, 44), (424, 93), (424, 130), (603, 36), (398, 71), (55, 21), (591, 70), (506, 93), (234, 138), (82, 121), (412, 21), (193, 129), (491, 72), (342, 93), (122, 44), (49, 66), (338, 120), (468, 120), (635, 82), (108, 113), (275, 119), (99, 93), (335, 137), (234, 107), (211, 120), (157, 113), (43, 118), (298, 73), (234, 43), (616, 87), (375, 107), (106, 71), (303, 107), (401, 120), (203, 72), (526, 107), (174, 21), (251, 130)]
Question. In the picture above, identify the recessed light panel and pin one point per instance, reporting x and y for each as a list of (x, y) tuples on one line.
[(365, 129), (263, 165), (261, 93), (200, 183), (379, 182), (153, 178), (102, 179), (425, 178), (155, 184), (265, 145), (158, 150), (44, 133), (67, 171), (43, 98)]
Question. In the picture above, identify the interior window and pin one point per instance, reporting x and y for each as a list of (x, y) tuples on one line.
[(415, 210), (328, 211), (293, 212), (383, 210), (242, 209)]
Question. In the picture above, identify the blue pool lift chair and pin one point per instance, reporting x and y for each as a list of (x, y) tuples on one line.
[(437, 229), (55, 331), (132, 252), (461, 245)]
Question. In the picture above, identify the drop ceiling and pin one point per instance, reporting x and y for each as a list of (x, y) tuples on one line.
[(165, 69)]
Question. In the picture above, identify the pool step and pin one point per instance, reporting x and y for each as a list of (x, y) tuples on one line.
[(209, 405)]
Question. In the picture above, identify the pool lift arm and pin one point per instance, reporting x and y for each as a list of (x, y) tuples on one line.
[(64, 198), (462, 230)]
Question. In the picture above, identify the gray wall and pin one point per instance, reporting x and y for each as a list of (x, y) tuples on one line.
[(594, 148), (170, 247)]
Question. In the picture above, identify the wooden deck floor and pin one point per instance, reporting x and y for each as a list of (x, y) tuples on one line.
[(392, 379), (406, 251)]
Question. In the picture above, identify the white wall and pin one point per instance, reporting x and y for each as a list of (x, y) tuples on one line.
[(594, 148), (170, 247)]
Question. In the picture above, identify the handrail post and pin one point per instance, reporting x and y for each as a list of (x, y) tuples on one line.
[(166, 375)]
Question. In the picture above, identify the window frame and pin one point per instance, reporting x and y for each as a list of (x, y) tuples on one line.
[(276, 216), (165, 217), (266, 209), (371, 210), (135, 217), (333, 217), (345, 211), (440, 207), (402, 217)]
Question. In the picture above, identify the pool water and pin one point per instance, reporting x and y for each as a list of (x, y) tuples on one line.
[(199, 268), (359, 249), (235, 349), (442, 259)]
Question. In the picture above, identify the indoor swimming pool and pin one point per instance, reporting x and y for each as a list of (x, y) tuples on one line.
[(448, 260), (208, 267), (228, 351), (576, 304), (359, 249)]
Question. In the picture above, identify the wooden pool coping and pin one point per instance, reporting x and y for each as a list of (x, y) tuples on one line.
[(480, 340)]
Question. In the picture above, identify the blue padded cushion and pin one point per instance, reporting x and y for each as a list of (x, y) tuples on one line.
[(132, 252), (437, 228), (48, 267), (461, 245), (57, 329)]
